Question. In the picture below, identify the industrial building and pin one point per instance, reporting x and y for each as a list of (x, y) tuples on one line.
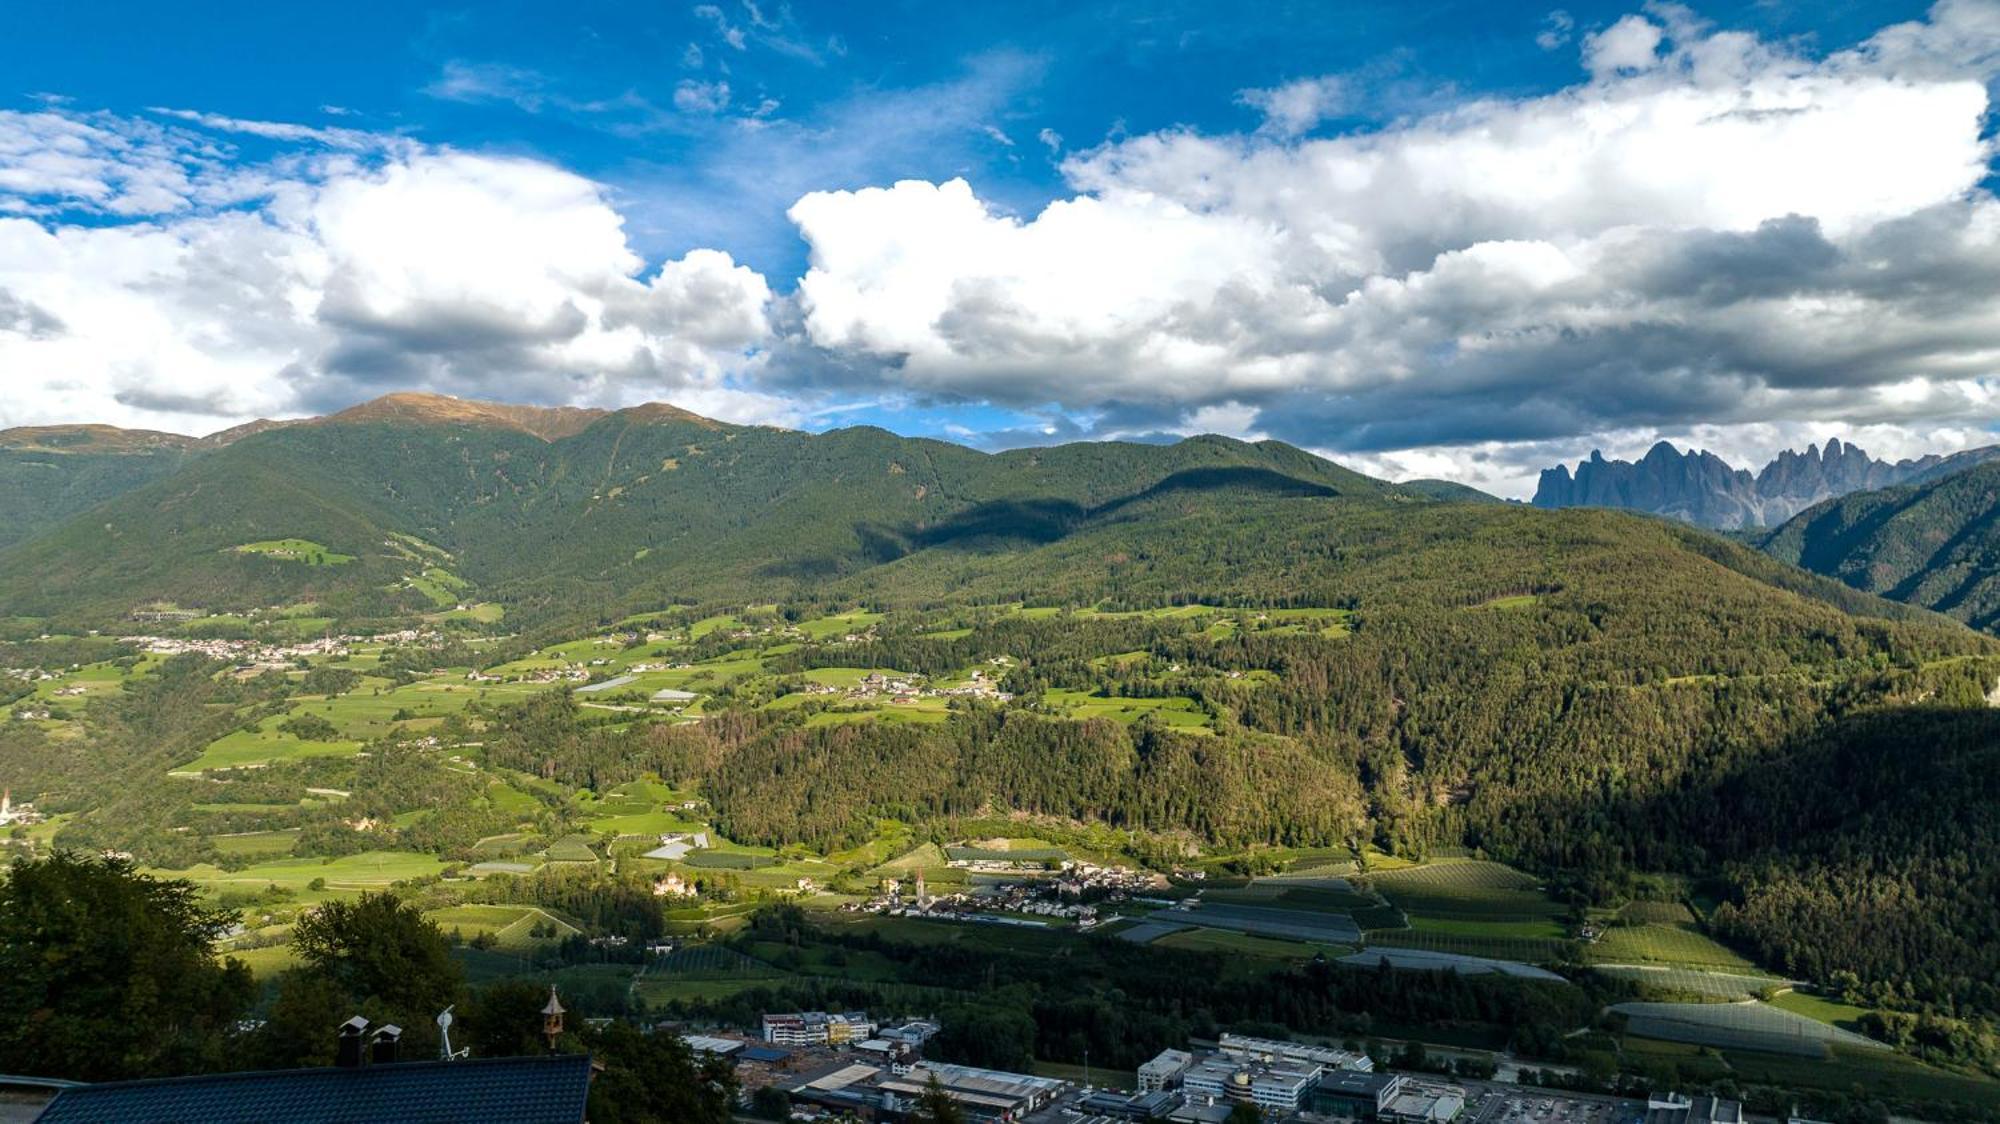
[(873, 1091), (1299, 1053), (1278, 1086), (817, 1028), (1164, 1071), (1673, 1108), (1355, 1095)]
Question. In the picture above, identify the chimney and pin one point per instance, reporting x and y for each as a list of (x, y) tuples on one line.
[(349, 1054), (386, 1037)]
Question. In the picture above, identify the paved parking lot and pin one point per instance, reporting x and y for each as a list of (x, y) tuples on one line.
[(1489, 1104)]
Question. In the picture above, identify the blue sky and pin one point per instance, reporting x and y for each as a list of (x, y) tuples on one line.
[(591, 85), (700, 126)]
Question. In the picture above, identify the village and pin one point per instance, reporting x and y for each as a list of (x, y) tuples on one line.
[(1073, 893), (256, 656)]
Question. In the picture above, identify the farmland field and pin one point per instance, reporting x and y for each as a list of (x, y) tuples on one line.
[(1222, 940), (1425, 960), (1471, 889), (1663, 944), (370, 870), (1744, 1026), (727, 860), (1293, 924), (1528, 950), (1724, 986), (244, 749), (509, 925)]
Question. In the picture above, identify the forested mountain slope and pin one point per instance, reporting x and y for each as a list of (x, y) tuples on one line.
[(549, 509), (1935, 544), (50, 474)]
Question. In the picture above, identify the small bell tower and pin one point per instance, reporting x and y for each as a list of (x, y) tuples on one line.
[(552, 1023)]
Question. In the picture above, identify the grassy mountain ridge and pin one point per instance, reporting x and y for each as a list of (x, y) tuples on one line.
[(1935, 544), (650, 500), (50, 473)]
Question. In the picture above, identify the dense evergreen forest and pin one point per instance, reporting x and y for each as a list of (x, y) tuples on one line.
[(1935, 544)]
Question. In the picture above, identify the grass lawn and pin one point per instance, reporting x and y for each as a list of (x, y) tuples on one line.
[(1182, 714), (262, 746), (296, 550), (1832, 1012), (509, 925), (1244, 944), (256, 842), (265, 962), (920, 712), (828, 627), (370, 870), (1100, 1076)]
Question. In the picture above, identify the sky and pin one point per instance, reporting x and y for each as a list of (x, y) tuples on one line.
[(1465, 240)]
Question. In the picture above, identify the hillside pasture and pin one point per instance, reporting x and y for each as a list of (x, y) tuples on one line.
[(510, 926), (242, 749), (304, 551), (1180, 713)]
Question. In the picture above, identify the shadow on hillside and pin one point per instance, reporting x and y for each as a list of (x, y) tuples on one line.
[(1013, 522), (1007, 525), (1010, 523)]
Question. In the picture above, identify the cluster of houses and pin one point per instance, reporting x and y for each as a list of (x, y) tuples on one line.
[(564, 674), (1071, 894), (877, 686), (12, 814), (255, 656)]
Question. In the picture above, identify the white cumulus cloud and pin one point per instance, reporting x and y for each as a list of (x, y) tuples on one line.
[(424, 268), (1710, 229)]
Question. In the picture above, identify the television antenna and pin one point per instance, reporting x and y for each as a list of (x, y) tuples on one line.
[(444, 1037)]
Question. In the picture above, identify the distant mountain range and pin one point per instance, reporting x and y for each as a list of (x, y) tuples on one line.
[(1935, 543), (1699, 487)]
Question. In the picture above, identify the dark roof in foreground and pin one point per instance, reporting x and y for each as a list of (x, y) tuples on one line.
[(533, 1090)]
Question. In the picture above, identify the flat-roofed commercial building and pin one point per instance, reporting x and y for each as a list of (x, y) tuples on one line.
[(1301, 1053), (1164, 1071), (817, 1028), (1424, 1102), (1278, 1085), (1355, 1095), (985, 1094)]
